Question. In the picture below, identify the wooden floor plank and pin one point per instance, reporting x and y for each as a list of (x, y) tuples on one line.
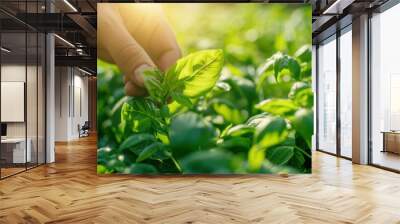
[(69, 191)]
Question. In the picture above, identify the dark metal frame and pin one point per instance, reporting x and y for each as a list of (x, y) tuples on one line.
[(387, 5), (339, 32), (44, 70)]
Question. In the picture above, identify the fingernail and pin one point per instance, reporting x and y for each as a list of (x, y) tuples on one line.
[(137, 76)]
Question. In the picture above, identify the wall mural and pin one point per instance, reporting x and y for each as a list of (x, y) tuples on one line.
[(204, 88)]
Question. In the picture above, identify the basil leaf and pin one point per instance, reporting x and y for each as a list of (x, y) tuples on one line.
[(304, 53), (302, 94), (136, 139), (149, 151), (195, 74), (285, 62), (189, 132), (280, 155), (181, 99), (270, 132), (153, 79), (281, 107), (240, 130), (229, 111), (256, 158), (303, 124), (208, 162), (140, 168)]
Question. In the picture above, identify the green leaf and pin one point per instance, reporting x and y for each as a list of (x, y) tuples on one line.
[(223, 86), (208, 162), (195, 74), (140, 115), (270, 132), (256, 158), (303, 123), (304, 53), (189, 132), (136, 139), (298, 159), (101, 169), (280, 155), (240, 130), (153, 79), (140, 168), (229, 112), (149, 151), (281, 107), (225, 131), (164, 111), (302, 94), (119, 104), (306, 71), (236, 143), (105, 154), (181, 99), (243, 91), (285, 62)]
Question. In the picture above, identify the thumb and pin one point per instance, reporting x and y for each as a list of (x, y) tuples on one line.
[(148, 24), (130, 57)]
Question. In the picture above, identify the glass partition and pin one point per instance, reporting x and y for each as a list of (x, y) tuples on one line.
[(41, 110), (385, 89), (327, 95), (22, 93), (346, 92), (32, 96), (14, 153)]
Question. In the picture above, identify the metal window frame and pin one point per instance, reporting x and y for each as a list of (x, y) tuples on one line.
[(44, 75), (386, 6), (339, 32), (381, 9)]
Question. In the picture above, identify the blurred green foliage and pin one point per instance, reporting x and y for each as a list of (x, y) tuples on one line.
[(254, 116)]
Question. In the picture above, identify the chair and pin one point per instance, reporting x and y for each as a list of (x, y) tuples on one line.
[(84, 130)]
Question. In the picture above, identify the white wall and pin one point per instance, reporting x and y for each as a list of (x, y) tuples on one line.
[(70, 83), (61, 114)]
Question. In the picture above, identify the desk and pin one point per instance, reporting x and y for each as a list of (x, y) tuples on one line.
[(391, 141), (15, 148)]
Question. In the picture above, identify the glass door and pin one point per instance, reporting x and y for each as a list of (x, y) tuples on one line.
[(385, 89), (346, 92), (14, 153), (327, 96), (22, 93)]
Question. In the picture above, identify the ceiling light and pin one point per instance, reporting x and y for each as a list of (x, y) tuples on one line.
[(70, 5), (65, 41), (84, 71), (338, 6), (5, 50)]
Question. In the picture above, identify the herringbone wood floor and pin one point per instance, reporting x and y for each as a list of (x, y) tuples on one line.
[(69, 191)]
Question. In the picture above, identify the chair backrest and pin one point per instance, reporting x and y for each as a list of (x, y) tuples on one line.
[(86, 124)]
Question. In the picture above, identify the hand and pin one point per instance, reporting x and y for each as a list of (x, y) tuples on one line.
[(135, 37)]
